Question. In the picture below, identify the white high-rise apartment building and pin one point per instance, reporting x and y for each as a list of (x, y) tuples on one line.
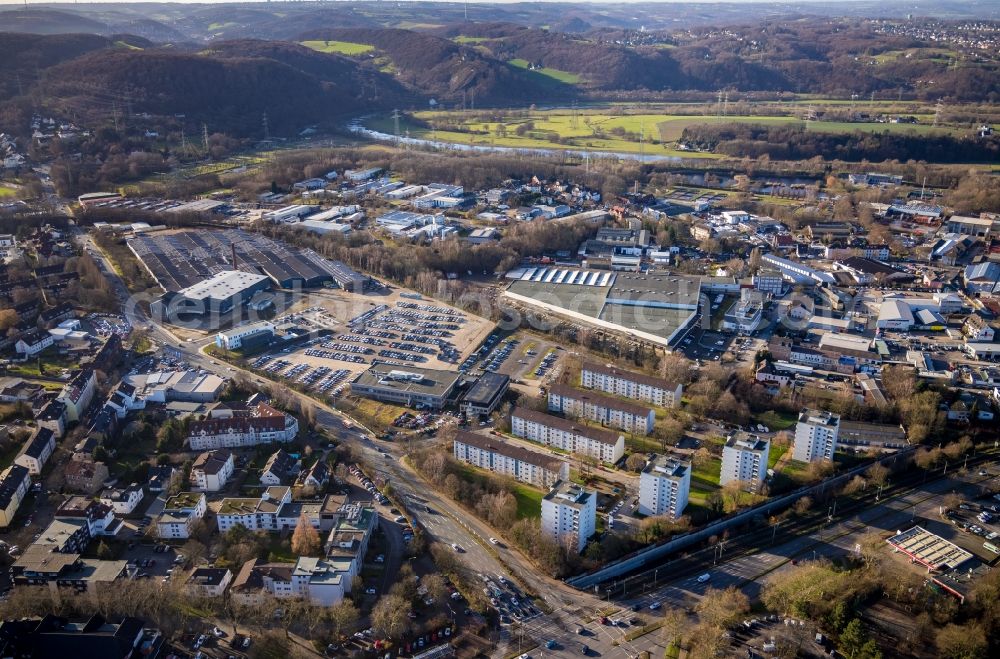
[(744, 459), (664, 485), (816, 435), (569, 514)]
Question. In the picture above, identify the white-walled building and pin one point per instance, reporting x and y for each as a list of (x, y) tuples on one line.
[(122, 500), (209, 581), (569, 514), (744, 459), (635, 386), (664, 485), (211, 470), (179, 515), (37, 451), (233, 339), (602, 409), (816, 435), (238, 428), (498, 456), (78, 393), (256, 514), (600, 443)]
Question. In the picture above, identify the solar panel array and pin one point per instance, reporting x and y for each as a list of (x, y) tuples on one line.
[(182, 259)]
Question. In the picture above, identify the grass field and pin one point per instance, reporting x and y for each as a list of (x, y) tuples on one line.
[(464, 39), (578, 137), (564, 77), (775, 454), (672, 128), (340, 47), (6, 191), (939, 55), (776, 421), (611, 128), (529, 501)]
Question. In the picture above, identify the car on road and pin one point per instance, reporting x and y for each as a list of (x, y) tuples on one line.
[(655, 606), (494, 541), (704, 578), (457, 548), (370, 591)]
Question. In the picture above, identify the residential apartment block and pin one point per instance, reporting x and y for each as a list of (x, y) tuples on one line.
[(599, 443), (816, 435), (179, 515), (211, 470), (664, 485), (500, 457), (603, 409), (122, 500), (78, 393), (36, 451), (14, 483), (635, 386), (242, 427), (324, 581), (744, 459), (569, 514)]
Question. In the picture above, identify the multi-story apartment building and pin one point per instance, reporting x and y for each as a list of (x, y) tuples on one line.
[(606, 410), (236, 428), (78, 393), (179, 515), (500, 457), (324, 581), (212, 470), (569, 514), (602, 444), (635, 386), (122, 500), (256, 514), (664, 485), (36, 451), (14, 483), (744, 459), (816, 435)]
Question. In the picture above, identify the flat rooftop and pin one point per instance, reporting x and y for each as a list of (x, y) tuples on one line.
[(223, 285), (929, 549), (671, 291), (430, 382), (487, 387), (819, 417), (585, 300), (566, 493), (667, 466), (746, 442)]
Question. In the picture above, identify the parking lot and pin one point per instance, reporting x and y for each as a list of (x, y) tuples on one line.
[(398, 329), (525, 358)]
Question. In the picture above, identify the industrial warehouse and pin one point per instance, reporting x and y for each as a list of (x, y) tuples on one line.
[(179, 260), (656, 308), (212, 273)]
